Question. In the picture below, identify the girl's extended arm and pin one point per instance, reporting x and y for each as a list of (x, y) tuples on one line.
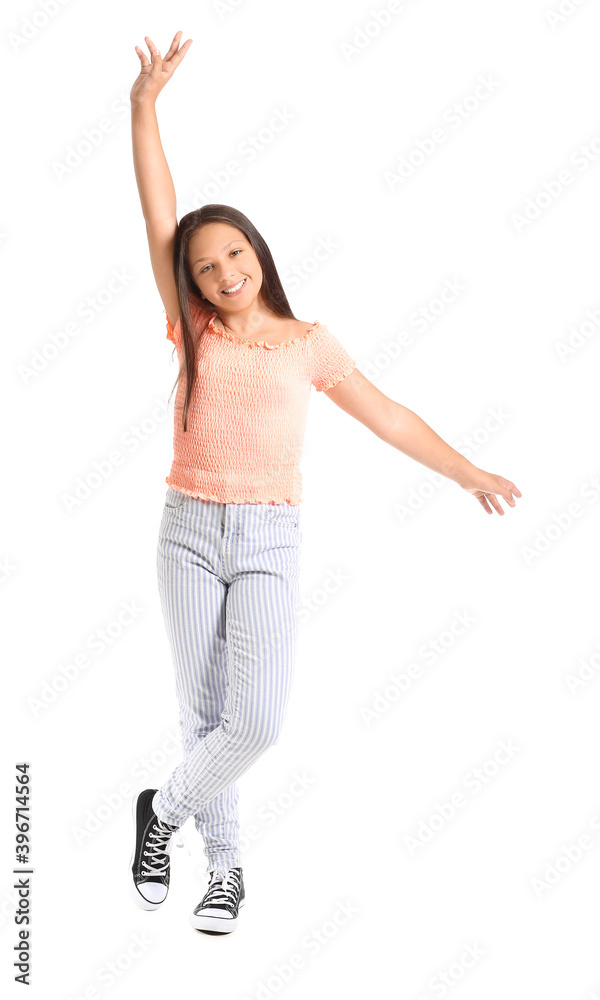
[(408, 432), (152, 174)]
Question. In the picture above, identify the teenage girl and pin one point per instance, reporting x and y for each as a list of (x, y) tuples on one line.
[(230, 534)]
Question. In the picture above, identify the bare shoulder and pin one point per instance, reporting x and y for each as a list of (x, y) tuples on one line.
[(300, 326)]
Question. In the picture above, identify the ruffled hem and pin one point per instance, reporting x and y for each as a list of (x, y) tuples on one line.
[(231, 499), (260, 343), (337, 379)]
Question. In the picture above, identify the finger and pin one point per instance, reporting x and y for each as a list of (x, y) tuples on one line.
[(178, 56), (173, 46), (495, 503), (156, 61), (511, 487), (484, 504), (504, 490), (143, 59), (153, 49)]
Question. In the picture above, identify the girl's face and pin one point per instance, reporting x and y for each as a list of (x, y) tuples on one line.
[(220, 258)]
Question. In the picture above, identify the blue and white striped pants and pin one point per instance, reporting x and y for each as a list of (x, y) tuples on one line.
[(228, 578)]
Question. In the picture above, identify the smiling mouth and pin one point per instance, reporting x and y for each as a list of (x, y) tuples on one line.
[(233, 288)]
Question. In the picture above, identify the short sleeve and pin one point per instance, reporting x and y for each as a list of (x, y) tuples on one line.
[(331, 362), (173, 333)]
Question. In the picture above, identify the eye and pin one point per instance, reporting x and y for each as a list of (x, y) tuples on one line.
[(237, 250)]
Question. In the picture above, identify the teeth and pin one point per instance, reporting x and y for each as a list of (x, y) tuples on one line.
[(228, 291)]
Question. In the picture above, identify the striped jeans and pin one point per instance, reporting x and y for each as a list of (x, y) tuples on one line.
[(228, 581)]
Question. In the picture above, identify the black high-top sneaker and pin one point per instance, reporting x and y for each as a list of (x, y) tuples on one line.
[(218, 909), (149, 868)]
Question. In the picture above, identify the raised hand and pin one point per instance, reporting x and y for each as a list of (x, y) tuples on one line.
[(157, 71)]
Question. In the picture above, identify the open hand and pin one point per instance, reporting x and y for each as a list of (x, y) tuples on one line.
[(156, 73), (485, 486)]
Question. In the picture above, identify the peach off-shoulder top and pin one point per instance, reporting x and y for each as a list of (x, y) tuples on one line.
[(247, 415)]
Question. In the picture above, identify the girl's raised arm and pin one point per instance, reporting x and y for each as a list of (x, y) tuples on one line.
[(152, 174)]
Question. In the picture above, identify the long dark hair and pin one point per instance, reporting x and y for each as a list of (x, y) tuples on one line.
[(271, 289)]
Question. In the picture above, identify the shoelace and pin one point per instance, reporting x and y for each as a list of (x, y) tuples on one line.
[(159, 835), (224, 887)]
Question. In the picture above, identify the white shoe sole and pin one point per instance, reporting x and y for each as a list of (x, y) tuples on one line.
[(134, 892), (221, 924)]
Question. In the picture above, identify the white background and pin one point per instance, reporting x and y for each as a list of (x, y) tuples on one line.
[(378, 584)]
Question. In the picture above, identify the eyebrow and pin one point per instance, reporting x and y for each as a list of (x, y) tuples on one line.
[(224, 248)]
